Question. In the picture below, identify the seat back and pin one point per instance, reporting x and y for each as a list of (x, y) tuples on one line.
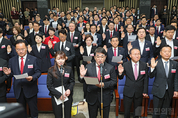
[(52, 61), (8, 36), (26, 27)]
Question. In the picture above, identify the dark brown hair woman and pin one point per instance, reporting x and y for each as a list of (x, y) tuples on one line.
[(54, 81)]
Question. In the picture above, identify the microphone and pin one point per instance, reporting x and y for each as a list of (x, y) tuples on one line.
[(101, 68), (61, 69)]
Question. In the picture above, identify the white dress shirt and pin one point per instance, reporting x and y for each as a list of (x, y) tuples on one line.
[(1, 39), (36, 32), (152, 39), (38, 48), (104, 28), (94, 38), (170, 43), (24, 58), (31, 30), (46, 27), (133, 67), (110, 32), (174, 36), (64, 44), (73, 35), (116, 51), (88, 49), (141, 44), (54, 24)]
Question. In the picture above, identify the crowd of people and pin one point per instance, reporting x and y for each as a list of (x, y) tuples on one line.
[(147, 48)]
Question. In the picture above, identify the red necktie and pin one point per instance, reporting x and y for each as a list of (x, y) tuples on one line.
[(71, 38), (116, 28), (115, 55), (45, 29), (99, 73), (111, 35), (21, 65), (129, 34)]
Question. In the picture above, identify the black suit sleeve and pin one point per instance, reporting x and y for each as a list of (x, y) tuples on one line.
[(71, 81), (145, 88), (176, 79), (72, 52), (37, 71)]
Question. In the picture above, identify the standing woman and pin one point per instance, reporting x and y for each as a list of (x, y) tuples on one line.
[(41, 51), (16, 30), (54, 80)]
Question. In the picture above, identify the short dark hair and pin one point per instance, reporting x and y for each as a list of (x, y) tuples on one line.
[(87, 36), (114, 37), (52, 29), (100, 50), (158, 19), (143, 18), (140, 29), (36, 23), (110, 22), (166, 46), (40, 35), (21, 36), (45, 18), (92, 25), (20, 41), (30, 22), (128, 25), (104, 18), (133, 49), (170, 27), (151, 27), (62, 31)]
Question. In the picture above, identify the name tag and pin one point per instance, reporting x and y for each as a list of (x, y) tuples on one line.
[(43, 47), (0, 68), (142, 72), (30, 66), (147, 49), (54, 42), (3, 46), (147, 30), (83, 26), (66, 75), (75, 37), (107, 30), (161, 31), (92, 54), (119, 29), (175, 47), (67, 48), (107, 76), (173, 71), (176, 37)]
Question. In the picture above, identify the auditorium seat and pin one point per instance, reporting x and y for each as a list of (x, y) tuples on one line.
[(44, 100), (26, 27), (8, 36), (52, 61)]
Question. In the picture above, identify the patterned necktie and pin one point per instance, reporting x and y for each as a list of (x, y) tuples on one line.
[(135, 72)]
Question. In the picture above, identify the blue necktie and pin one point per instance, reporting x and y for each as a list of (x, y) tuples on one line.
[(167, 72)]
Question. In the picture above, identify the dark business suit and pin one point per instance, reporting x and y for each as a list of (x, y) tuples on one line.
[(134, 89), (43, 57), (94, 93), (68, 83), (160, 32), (12, 40), (3, 78), (3, 49), (162, 97), (42, 29), (78, 40), (99, 39), (101, 29), (125, 40), (108, 39), (68, 50), (31, 38), (147, 50), (24, 90), (155, 52)]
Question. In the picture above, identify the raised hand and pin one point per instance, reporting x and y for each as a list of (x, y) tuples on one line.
[(158, 41), (83, 36), (98, 28), (122, 35), (106, 49), (122, 29), (82, 71), (29, 48), (9, 49), (6, 70), (67, 92), (25, 33), (153, 63), (50, 45), (129, 46), (120, 69), (104, 36), (81, 50), (44, 38)]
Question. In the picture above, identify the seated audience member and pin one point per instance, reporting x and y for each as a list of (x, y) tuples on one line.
[(159, 28), (45, 27), (41, 52), (16, 30), (54, 80), (59, 27), (51, 38), (54, 22), (175, 36)]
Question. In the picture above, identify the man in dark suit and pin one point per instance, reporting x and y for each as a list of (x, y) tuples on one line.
[(64, 46), (109, 34), (174, 23), (159, 28), (153, 39), (45, 28), (25, 90), (168, 40), (136, 85), (75, 38), (54, 22), (165, 85), (143, 45), (3, 78), (94, 91), (103, 26), (96, 20), (3, 46), (31, 37), (154, 11)]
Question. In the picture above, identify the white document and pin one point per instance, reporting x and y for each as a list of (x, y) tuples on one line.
[(91, 80), (132, 38), (117, 58), (80, 29), (174, 58), (22, 76), (87, 33), (59, 101), (87, 58)]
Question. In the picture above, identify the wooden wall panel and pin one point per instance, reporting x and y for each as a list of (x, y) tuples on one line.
[(6, 6)]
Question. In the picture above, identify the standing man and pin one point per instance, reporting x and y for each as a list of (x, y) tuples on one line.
[(94, 91), (25, 90), (165, 85), (14, 15), (136, 85), (165, 14)]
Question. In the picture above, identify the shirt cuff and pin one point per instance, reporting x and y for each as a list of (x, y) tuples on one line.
[(157, 46), (152, 69)]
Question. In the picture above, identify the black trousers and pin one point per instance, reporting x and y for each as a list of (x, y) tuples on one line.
[(93, 110), (57, 109), (85, 90), (76, 62), (3, 99), (161, 106), (128, 104), (32, 103)]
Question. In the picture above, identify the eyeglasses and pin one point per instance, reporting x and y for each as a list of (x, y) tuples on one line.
[(23, 49)]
